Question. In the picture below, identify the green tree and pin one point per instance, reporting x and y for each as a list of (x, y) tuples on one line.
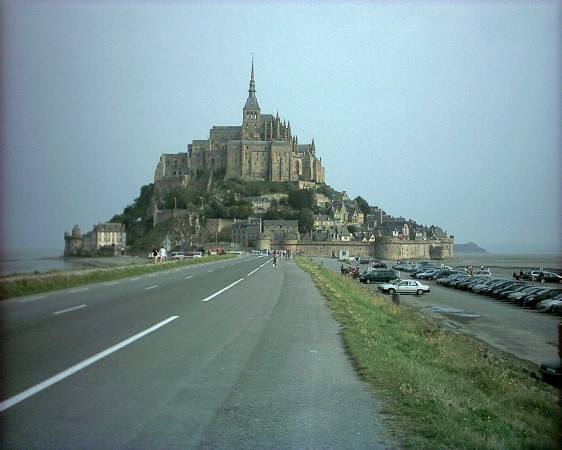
[(301, 199), (180, 198), (240, 212), (363, 205), (306, 220)]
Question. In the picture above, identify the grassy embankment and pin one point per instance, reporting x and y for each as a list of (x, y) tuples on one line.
[(443, 390), (37, 283)]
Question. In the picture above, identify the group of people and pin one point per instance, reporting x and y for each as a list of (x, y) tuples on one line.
[(277, 254), (537, 277), (287, 254), (159, 255)]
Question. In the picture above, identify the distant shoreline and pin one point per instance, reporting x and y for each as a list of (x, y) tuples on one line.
[(503, 263)]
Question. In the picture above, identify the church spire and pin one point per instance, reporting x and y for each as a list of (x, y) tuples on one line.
[(252, 101), (252, 90), (251, 117)]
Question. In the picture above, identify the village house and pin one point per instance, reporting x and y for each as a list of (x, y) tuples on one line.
[(109, 239)]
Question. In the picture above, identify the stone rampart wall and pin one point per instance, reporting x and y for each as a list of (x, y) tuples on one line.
[(395, 249), (384, 248), (332, 248)]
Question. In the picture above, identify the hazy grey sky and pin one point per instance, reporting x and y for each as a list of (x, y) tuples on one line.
[(447, 113)]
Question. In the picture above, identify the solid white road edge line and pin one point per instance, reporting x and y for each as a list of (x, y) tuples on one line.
[(74, 291), (76, 368), (222, 290), (31, 299)]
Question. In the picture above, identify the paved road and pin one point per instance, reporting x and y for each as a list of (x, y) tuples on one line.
[(232, 354), (525, 333)]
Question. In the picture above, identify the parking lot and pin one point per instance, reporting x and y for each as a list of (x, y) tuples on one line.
[(525, 333)]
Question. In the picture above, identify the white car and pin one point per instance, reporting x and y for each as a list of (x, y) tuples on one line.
[(177, 255), (405, 287)]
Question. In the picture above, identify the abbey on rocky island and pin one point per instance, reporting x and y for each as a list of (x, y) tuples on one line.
[(263, 148)]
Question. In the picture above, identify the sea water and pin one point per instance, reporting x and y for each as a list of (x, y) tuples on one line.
[(514, 261), (31, 261)]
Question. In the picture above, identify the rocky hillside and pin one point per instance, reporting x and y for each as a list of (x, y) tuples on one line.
[(471, 247)]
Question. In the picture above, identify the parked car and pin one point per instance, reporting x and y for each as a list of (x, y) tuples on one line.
[(521, 291), (557, 309), (193, 254), (379, 265), (488, 289), (423, 269), (536, 275), (511, 286), (510, 290), (477, 288), (443, 273), (455, 283), (472, 281), (177, 255), (378, 276), (520, 299), (533, 300), (548, 305), (551, 277), (405, 287), (427, 274), (446, 280)]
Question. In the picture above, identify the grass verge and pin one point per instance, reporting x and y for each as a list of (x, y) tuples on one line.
[(444, 390), (38, 283)]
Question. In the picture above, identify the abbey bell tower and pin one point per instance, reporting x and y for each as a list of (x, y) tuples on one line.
[(251, 121)]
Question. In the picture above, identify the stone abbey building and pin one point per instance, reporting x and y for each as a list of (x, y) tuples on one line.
[(262, 148)]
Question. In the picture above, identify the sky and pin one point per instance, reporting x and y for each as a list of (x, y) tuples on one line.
[(446, 113)]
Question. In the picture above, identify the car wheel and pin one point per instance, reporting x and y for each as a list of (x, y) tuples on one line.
[(367, 281), (420, 291), (391, 291)]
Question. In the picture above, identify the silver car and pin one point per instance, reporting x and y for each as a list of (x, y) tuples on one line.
[(405, 287)]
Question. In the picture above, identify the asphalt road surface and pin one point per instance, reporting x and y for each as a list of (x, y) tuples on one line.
[(231, 354)]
